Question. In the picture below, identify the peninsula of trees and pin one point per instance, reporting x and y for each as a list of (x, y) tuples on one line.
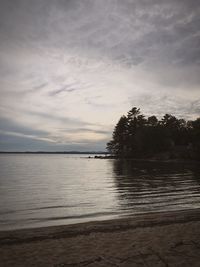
[(136, 136)]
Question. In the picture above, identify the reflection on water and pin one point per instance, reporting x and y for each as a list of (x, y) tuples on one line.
[(43, 190), (151, 186)]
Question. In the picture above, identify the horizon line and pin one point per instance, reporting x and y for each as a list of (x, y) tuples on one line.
[(55, 152)]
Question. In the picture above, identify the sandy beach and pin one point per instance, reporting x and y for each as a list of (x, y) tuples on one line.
[(156, 239)]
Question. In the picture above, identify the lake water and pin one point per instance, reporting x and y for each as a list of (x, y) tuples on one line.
[(43, 190)]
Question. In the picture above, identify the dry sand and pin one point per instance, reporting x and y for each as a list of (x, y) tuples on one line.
[(160, 239)]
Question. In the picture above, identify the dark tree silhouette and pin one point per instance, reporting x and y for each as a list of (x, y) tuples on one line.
[(120, 134), (136, 136), (152, 121)]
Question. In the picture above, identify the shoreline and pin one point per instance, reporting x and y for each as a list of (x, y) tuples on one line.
[(151, 219), (100, 242), (153, 160)]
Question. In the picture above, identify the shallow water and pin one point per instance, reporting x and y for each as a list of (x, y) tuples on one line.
[(43, 190)]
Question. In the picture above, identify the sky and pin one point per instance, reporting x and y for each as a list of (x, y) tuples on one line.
[(70, 68)]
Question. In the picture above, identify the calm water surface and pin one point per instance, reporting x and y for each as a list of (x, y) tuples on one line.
[(44, 190)]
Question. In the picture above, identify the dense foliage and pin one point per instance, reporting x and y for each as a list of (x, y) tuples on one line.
[(138, 136)]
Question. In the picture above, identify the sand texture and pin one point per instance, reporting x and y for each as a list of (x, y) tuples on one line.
[(160, 239)]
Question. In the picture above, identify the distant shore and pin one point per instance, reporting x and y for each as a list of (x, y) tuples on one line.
[(154, 239), (56, 152)]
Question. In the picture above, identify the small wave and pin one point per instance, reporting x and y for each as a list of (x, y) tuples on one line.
[(81, 216)]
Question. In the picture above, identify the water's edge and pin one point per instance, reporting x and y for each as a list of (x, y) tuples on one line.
[(66, 231)]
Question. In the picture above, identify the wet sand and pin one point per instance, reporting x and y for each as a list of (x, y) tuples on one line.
[(159, 239)]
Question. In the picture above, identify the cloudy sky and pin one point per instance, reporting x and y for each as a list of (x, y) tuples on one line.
[(70, 68)]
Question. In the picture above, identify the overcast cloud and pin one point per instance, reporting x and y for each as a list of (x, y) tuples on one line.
[(70, 68)]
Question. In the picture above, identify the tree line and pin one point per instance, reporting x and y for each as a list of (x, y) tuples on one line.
[(137, 136)]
